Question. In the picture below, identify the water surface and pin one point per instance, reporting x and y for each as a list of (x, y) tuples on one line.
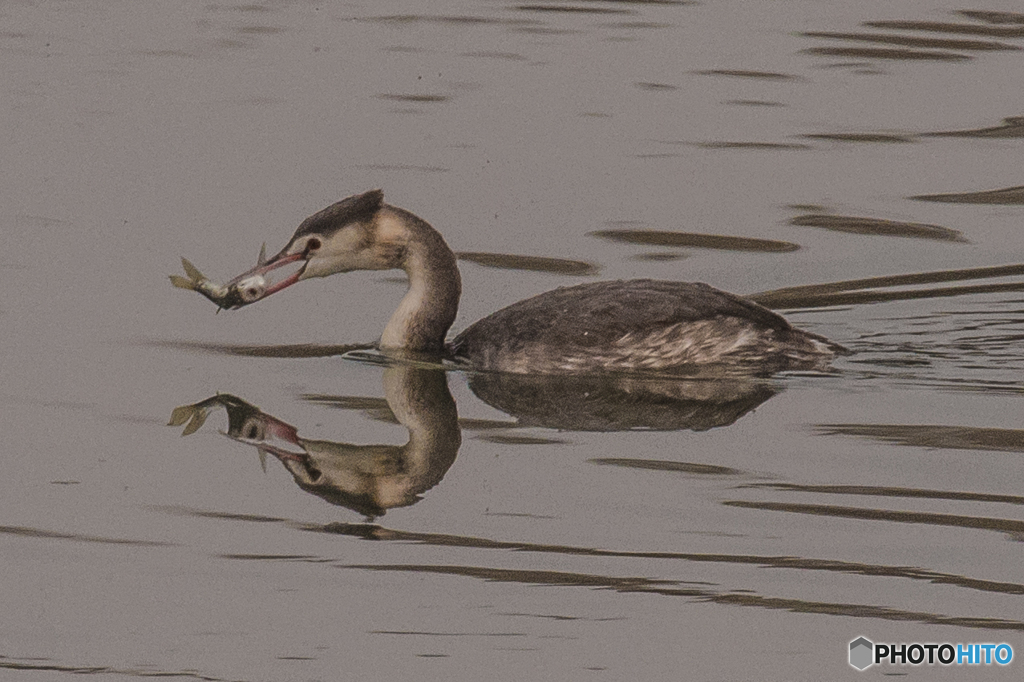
[(855, 165)]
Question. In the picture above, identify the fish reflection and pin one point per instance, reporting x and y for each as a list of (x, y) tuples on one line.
[(369, 479)]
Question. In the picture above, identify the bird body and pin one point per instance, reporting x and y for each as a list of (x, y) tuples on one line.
[(635, 325)]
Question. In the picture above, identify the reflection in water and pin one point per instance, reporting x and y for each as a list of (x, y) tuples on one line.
[(295, 350), (1014, 527), (659, 256), (655, 87), (454, 20), (737, 73), (993, 17), (560, 266), (378, 409), (878, 226), (593, 402), (678, 588), (374, 532), (949, 27), (913, 41), (493, 54), (893, 53), (573, 9), (694, 468), (415, 99), (728, 144), (369, 479), (694, 240), (700, 591), (1008, 195), (933, 436), (877, 289), (38, 664), (25, 532), (1012, 126), (514, 439), (806, 564), (888, 491), (915, 47), (621, 402), (869, 138), (753, 103)]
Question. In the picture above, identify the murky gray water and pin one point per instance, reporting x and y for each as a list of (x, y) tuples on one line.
[(730, 532)]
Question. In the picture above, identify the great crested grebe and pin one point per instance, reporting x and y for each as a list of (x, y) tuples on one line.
[(635, 325)]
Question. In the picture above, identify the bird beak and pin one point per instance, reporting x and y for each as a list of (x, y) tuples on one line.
[(265, 266)]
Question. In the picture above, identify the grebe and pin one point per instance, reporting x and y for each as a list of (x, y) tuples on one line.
[(636, 325), (369, 479)]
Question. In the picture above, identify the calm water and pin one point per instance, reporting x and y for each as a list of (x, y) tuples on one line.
[(533, 530)]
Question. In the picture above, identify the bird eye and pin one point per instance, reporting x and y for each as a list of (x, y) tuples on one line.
[(313, 244), (252, 429)]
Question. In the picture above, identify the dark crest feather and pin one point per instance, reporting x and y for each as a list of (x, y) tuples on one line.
[(358, 208)]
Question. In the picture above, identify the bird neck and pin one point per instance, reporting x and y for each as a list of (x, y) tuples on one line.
[(421, 402), (429, 307)]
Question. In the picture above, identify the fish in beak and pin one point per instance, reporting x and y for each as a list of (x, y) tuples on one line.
[(250, 286), (337, 239)]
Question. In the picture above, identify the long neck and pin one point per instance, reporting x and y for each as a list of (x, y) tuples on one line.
[(425, 314)]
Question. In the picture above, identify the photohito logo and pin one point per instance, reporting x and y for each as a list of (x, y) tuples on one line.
[(864, 653)]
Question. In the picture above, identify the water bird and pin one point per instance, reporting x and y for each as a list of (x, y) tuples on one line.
[(640, 325), (369, 479)]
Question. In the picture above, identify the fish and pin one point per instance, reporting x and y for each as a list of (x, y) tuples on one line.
[(235, 294), (223, 295)]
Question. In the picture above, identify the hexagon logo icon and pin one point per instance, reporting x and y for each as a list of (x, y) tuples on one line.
[(861, 653)]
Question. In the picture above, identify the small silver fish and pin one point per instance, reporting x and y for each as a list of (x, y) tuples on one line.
[(246, 288), (225, 296)]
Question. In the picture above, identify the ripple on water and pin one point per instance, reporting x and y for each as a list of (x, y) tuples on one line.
[(1008, 195), (913, 41), (878, 227), (507, 261), (1012, 126), (694, 240), (950, 27)]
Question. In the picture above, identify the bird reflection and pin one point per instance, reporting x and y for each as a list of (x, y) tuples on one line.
[(604, 401), (369, 479), (610, 402)]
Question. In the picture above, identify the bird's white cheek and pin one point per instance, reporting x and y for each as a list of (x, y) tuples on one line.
[(321, 266)]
